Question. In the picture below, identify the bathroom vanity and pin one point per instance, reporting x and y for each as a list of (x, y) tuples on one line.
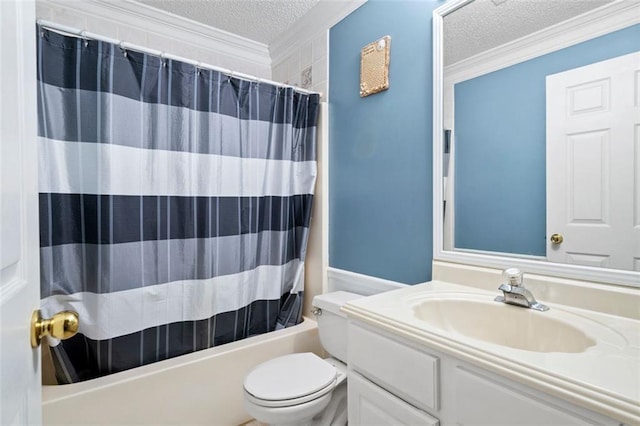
[(444, 353)]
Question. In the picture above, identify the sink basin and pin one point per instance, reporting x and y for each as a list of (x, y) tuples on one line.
[(502, 324)]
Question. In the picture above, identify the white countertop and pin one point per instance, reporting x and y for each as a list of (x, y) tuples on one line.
[(604, 378)]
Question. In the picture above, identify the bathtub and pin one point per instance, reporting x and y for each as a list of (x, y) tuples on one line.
[(203, 387)]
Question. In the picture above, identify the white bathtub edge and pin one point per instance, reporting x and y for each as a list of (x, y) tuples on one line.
[(203, 387)]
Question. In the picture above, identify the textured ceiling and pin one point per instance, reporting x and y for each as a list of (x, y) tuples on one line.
[(484, 24), (259, 20)]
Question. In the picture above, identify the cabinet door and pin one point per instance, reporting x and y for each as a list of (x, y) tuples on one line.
[(370, 405), (486, 400), (418, 385)]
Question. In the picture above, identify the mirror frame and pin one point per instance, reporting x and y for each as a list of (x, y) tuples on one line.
[(489, 259)]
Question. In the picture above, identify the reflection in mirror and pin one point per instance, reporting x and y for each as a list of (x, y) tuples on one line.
[(542, 101)]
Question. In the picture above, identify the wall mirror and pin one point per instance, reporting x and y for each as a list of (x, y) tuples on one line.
[(537, 136)]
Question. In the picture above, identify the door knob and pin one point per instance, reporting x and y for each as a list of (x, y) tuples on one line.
[(557, 239), (61, 326)]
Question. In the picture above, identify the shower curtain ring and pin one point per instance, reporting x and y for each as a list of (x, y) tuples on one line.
[(83, 36), (123, 49)]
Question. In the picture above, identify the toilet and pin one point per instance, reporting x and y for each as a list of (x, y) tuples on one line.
[(302, 388)]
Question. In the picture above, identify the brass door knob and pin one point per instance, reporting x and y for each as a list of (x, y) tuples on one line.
[(62, 326), (557, 238)]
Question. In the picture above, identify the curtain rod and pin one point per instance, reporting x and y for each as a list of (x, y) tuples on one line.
[(124, 45)]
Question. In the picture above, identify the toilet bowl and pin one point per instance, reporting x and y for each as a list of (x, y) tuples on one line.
[(296, 389), (302, 388)]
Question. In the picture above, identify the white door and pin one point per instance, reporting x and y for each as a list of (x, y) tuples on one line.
[(593, 164), (19, 265)]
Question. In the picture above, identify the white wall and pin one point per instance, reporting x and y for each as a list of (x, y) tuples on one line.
[(306, 44), (312, 54), (143, 25)]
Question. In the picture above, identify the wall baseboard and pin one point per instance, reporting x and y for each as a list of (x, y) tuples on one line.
[(339, 279)]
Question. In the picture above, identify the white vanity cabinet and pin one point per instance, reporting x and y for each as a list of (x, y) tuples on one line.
[(394, 381), (371, 405)]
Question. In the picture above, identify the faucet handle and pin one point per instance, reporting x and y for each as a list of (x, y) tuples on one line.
[(513, 275)]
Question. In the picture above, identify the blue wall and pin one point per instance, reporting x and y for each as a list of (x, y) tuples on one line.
[(380, 151), (500, 125)]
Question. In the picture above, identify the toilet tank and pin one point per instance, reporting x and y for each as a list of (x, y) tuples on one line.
[(332, 324)]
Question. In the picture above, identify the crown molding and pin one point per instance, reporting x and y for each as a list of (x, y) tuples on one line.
[(321, 17), (139, 15), (608, 18)]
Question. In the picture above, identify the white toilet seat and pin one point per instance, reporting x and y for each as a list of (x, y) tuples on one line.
[(290, 380), (291, 402)]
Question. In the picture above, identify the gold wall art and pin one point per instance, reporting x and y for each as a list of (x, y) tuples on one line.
[(374, 67)]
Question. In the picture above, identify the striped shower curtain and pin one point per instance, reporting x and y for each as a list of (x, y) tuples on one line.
[(174, 204)]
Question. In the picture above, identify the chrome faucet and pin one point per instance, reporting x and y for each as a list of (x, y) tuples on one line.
[(516, 294)]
